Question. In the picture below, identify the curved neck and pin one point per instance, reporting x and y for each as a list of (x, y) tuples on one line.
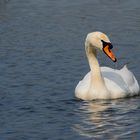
[(96, 76)]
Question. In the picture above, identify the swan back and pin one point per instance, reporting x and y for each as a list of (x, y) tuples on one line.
[(130, 80)]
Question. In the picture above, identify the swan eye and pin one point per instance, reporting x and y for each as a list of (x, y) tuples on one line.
[(110, 46)]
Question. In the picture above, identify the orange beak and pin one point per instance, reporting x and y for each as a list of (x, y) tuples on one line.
[(109, 53)]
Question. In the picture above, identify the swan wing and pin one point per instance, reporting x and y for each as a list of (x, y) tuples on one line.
[(120, 83), (130, 80)]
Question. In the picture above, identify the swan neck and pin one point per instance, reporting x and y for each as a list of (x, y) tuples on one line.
[(92, 59)]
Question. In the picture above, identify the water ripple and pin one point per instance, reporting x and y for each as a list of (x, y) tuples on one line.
[(108, 119)]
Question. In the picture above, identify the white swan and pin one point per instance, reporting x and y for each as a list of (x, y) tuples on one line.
[(104, 82)]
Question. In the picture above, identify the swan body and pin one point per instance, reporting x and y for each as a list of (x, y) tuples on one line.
[(104, 82)]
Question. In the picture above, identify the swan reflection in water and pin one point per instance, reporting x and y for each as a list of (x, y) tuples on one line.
[(108, 119)]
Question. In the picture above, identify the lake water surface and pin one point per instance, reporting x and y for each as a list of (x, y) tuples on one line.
[(42, 58)]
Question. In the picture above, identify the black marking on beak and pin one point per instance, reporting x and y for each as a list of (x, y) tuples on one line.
[(107, 43)]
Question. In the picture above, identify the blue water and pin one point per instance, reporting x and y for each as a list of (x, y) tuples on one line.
[(42, 58)]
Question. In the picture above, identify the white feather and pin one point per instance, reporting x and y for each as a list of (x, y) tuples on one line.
[(105, 82)]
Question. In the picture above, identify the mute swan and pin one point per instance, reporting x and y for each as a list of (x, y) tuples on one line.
[(104, 82)]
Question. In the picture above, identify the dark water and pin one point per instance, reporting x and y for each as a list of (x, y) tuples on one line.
[(42, 59)]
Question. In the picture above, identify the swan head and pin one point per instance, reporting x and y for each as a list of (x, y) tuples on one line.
[(100, 41)]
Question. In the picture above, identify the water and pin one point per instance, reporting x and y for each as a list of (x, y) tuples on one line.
[(42, 59)]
